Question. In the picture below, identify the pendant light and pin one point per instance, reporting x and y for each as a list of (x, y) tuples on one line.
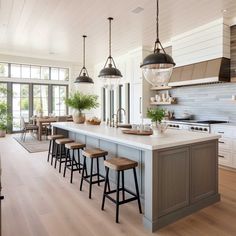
[(83, 75), (110, 74), (157, 67)]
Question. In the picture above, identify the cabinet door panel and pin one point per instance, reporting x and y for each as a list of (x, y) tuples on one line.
[(203, 181), (173, 182)]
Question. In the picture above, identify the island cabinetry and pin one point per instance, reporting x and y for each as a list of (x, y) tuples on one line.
[(177, 173), (184, 179)]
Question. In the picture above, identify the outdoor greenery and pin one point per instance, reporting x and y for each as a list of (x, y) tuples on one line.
[(5, 117), (80, 101), (156, 114)]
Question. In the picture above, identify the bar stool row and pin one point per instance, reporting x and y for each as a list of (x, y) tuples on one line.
[(63, 150)]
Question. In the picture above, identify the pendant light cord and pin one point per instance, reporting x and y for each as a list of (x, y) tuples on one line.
[(84, 36), (157, 22), (110, 19)]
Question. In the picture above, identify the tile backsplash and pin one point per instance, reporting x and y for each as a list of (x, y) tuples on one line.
[(212, 101)]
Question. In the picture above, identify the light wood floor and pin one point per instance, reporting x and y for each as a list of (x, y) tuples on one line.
[(39, 201)]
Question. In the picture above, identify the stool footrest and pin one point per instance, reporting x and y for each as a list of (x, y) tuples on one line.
[(94, 181), (121, 202)]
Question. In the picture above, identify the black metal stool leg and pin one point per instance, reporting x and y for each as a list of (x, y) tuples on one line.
[(67, 156), (109, 188), (49, 150), (56, 156), (91, 178), (123, 185), (98, 171), (61, 147), (82, 177), (79, 159), (117, 196), (72, 168), (105, 188), (137, 191)]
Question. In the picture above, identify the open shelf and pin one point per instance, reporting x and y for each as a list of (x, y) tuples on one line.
[(160, 88), (162, 103)]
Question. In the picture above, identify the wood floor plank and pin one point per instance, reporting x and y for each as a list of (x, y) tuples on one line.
[(39, 201)]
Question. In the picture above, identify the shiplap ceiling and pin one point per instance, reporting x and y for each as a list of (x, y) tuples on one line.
[(52, 29)]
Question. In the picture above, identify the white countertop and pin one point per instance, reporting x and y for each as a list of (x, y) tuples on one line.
[(170, 138)]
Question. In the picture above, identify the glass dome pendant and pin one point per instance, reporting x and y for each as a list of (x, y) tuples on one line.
[(110, 75), (83, 75), (158, 66)]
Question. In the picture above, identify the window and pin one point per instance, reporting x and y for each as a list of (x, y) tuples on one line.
[(58, 105), (20, 104), (3, 92), (25, 71), (40, 99), (54, 73), (15, 71), (63, 74), (35, 72), (4, 70), (45, 72)]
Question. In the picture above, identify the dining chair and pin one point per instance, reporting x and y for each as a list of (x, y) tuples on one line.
[(26, 127)]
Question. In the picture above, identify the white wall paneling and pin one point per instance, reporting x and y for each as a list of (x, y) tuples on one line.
[(203, 43)]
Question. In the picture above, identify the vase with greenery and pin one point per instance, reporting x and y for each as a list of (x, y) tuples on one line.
[(157, 115), (80, 102), (5, 117)]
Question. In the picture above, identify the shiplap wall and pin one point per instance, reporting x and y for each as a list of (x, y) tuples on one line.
[(203, 43), (212, 101)]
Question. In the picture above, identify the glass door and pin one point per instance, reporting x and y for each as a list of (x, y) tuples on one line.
[(40, 97), (20, 104)]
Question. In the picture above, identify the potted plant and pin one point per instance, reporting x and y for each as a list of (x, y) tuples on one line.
[(5, 117), (80, 102), (157, 115)]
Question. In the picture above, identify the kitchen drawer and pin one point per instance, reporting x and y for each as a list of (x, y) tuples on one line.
[(226, 144), (225, 132), (225, 158)]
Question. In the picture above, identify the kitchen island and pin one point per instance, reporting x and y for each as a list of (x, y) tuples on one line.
[(177, 172)]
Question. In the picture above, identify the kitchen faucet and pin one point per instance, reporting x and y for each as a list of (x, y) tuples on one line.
[(118, 113)]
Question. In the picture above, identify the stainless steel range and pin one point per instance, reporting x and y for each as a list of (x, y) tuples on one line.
[(193, 125)]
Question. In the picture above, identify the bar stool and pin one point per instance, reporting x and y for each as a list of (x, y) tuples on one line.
[(51, 149), (120, 164), (60, 147), (95, 153), (71, 162)]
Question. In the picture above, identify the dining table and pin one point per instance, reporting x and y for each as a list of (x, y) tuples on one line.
[(41, 122)]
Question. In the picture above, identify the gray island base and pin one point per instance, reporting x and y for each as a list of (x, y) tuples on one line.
[(177, 173)]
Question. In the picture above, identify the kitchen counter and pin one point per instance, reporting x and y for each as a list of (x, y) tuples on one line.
[(177, 173), (171, 138)]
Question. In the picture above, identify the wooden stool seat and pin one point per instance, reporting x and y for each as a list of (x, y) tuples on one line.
[(94, 153), (120, 163), (75, 145), (55, 136), (64, 141)]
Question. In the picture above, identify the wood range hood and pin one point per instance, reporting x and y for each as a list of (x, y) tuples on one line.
[(205, 72)]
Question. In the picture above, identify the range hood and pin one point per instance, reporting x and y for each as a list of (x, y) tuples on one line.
[(211, 71)]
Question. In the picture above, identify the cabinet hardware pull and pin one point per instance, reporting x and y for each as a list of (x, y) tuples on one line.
[(221, 132), (221, 156), (1, 197), (221, 142)]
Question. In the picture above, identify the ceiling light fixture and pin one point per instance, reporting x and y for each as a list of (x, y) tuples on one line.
[(157, 67), (110, 74), (83, 75)]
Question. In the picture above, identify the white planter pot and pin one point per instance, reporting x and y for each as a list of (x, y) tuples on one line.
[(2, 133), (158, 129), (79, 118)]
